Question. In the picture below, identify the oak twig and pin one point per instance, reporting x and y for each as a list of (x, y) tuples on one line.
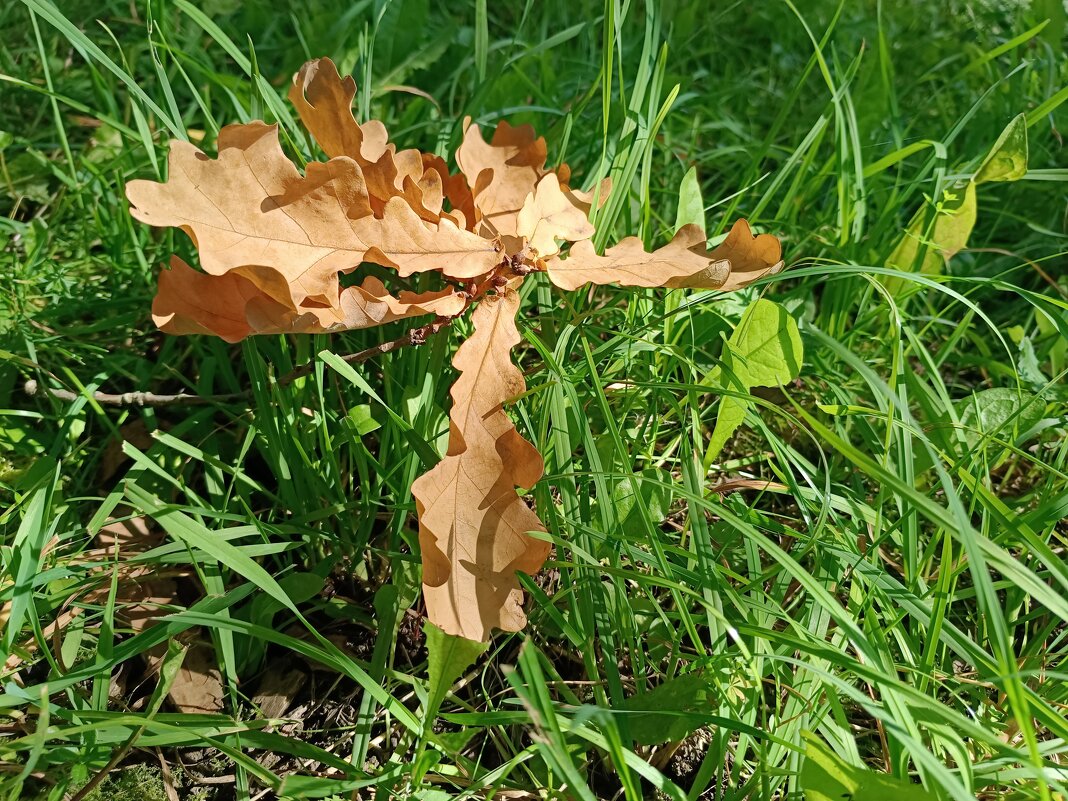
[(416, 336)]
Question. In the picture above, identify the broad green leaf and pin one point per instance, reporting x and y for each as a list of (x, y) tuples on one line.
[(1057, 354), (651, 494), (691, 204), (764, 351), (1057, 16), (926, 246), (999, 413), (447, 657), (363, 420), (1027, 364), (27, 175), (768, 343), (1007, 159), (671, 711), (827, 777), (732, 408)]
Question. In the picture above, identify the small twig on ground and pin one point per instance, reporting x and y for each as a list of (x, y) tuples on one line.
[(416, 336), (132, 398)]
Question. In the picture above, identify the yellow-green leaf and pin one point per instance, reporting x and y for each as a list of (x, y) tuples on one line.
[(825, 776), (928, 252), (447, 657), (1007, 159), (691, 209)]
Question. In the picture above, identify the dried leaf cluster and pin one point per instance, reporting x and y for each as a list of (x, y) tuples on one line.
[(272, 246)]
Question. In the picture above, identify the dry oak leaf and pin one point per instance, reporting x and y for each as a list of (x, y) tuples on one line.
[(273, 242), (251, 212), (232, 307), (502, 172), (583, 201), (684, 262), (324, 102), (473, 527), (549, 214), (197, 688)]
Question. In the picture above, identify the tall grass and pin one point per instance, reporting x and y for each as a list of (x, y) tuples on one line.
[(899, 588)]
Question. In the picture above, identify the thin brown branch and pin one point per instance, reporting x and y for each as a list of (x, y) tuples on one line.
[(416, 336), (1033, 265), (132, 398)]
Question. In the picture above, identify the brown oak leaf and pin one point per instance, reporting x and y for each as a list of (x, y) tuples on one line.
[(251, 212), (324, 102), (547, 215), (684, 262), (473, 527), (232, 307), (502, 172)]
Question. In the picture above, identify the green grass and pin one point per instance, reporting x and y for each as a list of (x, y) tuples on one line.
[(901, 589)]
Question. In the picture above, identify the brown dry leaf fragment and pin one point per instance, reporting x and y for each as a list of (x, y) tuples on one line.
[(144, 590), (683, 262), (278, 686), (250, 211), (324, 102), (548, 215), (516, 160), (583, 201), (115, 456), (232, 307), (142, 595), (473, 527), (143, 599), (455, 189), (401, 240), (197, 688), (751, 257)]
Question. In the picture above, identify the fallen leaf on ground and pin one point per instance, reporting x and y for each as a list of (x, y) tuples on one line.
[(197, 688)]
